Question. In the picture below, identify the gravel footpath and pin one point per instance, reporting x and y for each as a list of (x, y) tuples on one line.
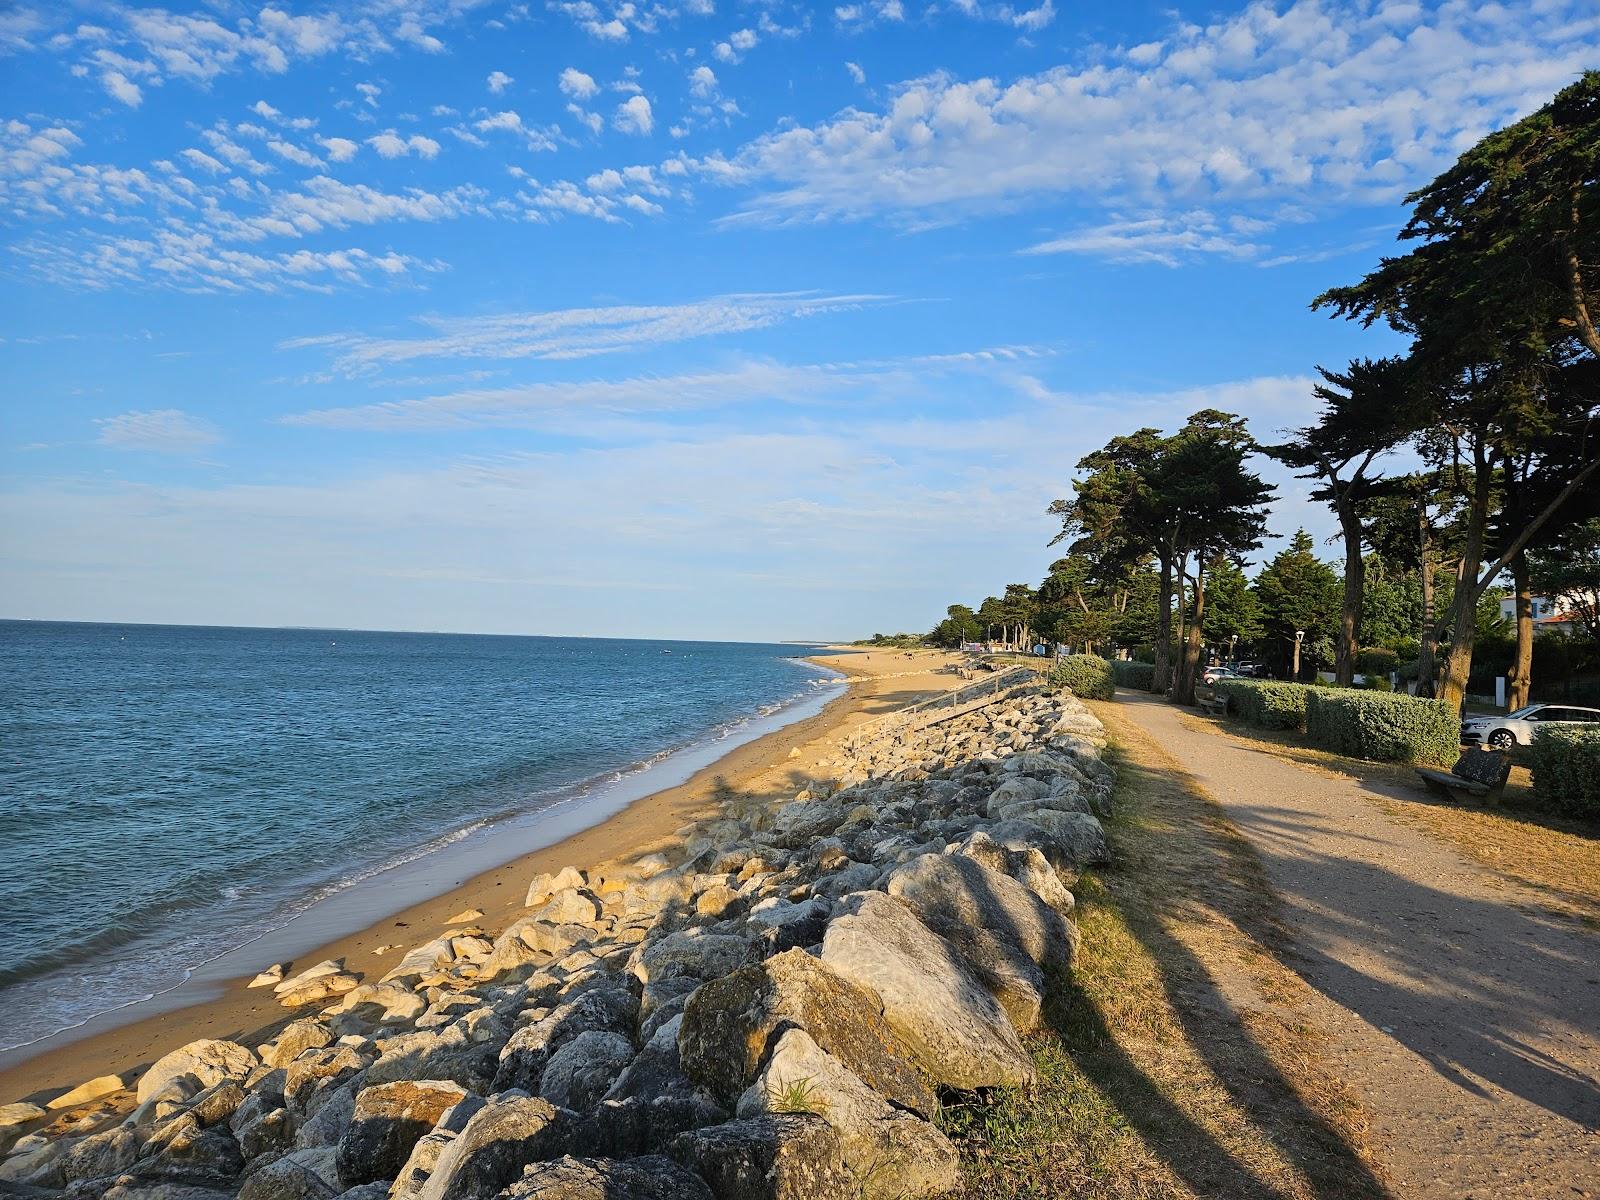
[(1466, 1016)]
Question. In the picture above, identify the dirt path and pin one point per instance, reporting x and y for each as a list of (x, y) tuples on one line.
[(1466, 1016)]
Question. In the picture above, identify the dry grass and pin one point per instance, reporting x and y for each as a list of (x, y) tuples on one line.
[(1555, 857), (1175, 1062)]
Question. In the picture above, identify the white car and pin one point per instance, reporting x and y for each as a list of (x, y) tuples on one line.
[(1212, 674), (1517, 728)]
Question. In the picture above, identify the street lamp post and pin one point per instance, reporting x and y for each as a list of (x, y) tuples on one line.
[(1299, 636)]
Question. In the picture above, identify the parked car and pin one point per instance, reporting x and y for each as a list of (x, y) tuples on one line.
[(1517, 728), (1212, 674)]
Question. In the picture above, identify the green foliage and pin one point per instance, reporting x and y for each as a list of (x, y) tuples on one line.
[(1088, 675), (1376, 660), (1565, 761), (1135, 676), (1379, 683), (795, 1097), (960, 624), (897, 641), (1297, 591), (1383, 728), (1265, 703)]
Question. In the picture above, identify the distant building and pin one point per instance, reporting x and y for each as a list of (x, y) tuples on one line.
[(1547, 615)]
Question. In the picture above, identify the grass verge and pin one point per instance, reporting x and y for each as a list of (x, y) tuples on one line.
[(1176, 1061)]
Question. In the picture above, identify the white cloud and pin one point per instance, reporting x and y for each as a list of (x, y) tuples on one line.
[(1316, 103), (585, 332), (339, 149), (1168, 241), (121, 88), (592, 121), (294, 154), (578, 85), (499, 81), (856, 73), (633, 115), (703, 82), (389, 144), (511, 122), (164, 430)]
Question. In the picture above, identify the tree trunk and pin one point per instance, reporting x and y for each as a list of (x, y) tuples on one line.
[(1294, 669), (1192, 644), (1355, 577), (1181, 588), (1163, 674), (1519, 682), (1427, 658), (1464, 604)]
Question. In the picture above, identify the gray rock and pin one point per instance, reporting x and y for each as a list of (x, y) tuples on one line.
[(893, 1154), (503, 1137), (648, 1178), (583, 1070), (953, 1027), (1025, 864), (448, 1054), (730, 1024), (108, 1153), (199, 1064), (1079, 839), (788, 1157), (298, 1175), (386, 1123), (604, 1007)]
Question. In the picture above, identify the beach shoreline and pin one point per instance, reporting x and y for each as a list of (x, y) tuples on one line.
[(877, 682)]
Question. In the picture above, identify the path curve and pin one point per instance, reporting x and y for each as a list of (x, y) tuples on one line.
[(1466, 1015)]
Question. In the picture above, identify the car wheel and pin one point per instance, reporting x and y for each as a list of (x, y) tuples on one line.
[(1502, 739)]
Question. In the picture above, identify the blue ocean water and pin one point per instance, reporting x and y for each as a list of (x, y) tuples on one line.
[(171, 792)]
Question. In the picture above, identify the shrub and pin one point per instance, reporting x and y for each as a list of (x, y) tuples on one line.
[(1136, 676), (1088, 675), (1566, 769), (1383, 728), (1376, 660), (1266, 703), (1379, 683)]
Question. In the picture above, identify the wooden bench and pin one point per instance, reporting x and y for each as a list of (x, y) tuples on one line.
[(1214, 704), (1478, 773)]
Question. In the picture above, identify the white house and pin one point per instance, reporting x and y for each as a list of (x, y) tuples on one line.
[(1547, 617)]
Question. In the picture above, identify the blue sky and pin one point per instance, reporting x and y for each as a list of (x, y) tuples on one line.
[(713, 318)]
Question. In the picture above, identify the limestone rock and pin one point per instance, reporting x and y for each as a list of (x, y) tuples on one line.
[(647, 1178), (503, 1137), (386, 1123), (447, 1054), (93, 1089), (606, 1008), (569, 906), (294, 1040), (543, 887), (583, 1070), (894, 1155), (271, 977), (200, 1063), (298, 1175), (785, 1157), (956, 1031), (466, 917), (388, 1002), (730, 1024), (1027, 865), (107, 1153), (19, 1113)]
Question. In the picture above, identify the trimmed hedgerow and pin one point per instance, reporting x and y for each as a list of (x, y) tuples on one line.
[(1565, 761), (1383, 728), (1266, 703), (1088, 675), (1136, 676)]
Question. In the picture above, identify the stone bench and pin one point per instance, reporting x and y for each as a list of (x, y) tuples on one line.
[(1478, 773)]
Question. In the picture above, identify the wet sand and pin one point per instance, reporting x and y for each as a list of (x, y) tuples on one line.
[(880, 681)]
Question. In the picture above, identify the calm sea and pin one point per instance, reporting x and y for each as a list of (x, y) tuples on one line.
[(172, 792)]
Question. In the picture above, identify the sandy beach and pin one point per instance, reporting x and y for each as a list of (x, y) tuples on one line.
[(880, 681)]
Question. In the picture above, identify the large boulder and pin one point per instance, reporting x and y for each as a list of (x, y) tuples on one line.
[(647, 1178), (387, 1121), (1005, 931), (604, 1007), (730, 1024), (506, 1135), (295, 1039), (196, 1067), (298, 1175), (108, 1153), (1027, 865), (583, 1070), (449, 1054), (893, 1154), (1079, 838), (781, 1157), (942, 1012)]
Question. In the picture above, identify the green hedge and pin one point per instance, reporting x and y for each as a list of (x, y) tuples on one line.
[(1136, 676), (1383, 728), (1376, 660), (1265, 703), (1566, 769), (1088, 675)]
